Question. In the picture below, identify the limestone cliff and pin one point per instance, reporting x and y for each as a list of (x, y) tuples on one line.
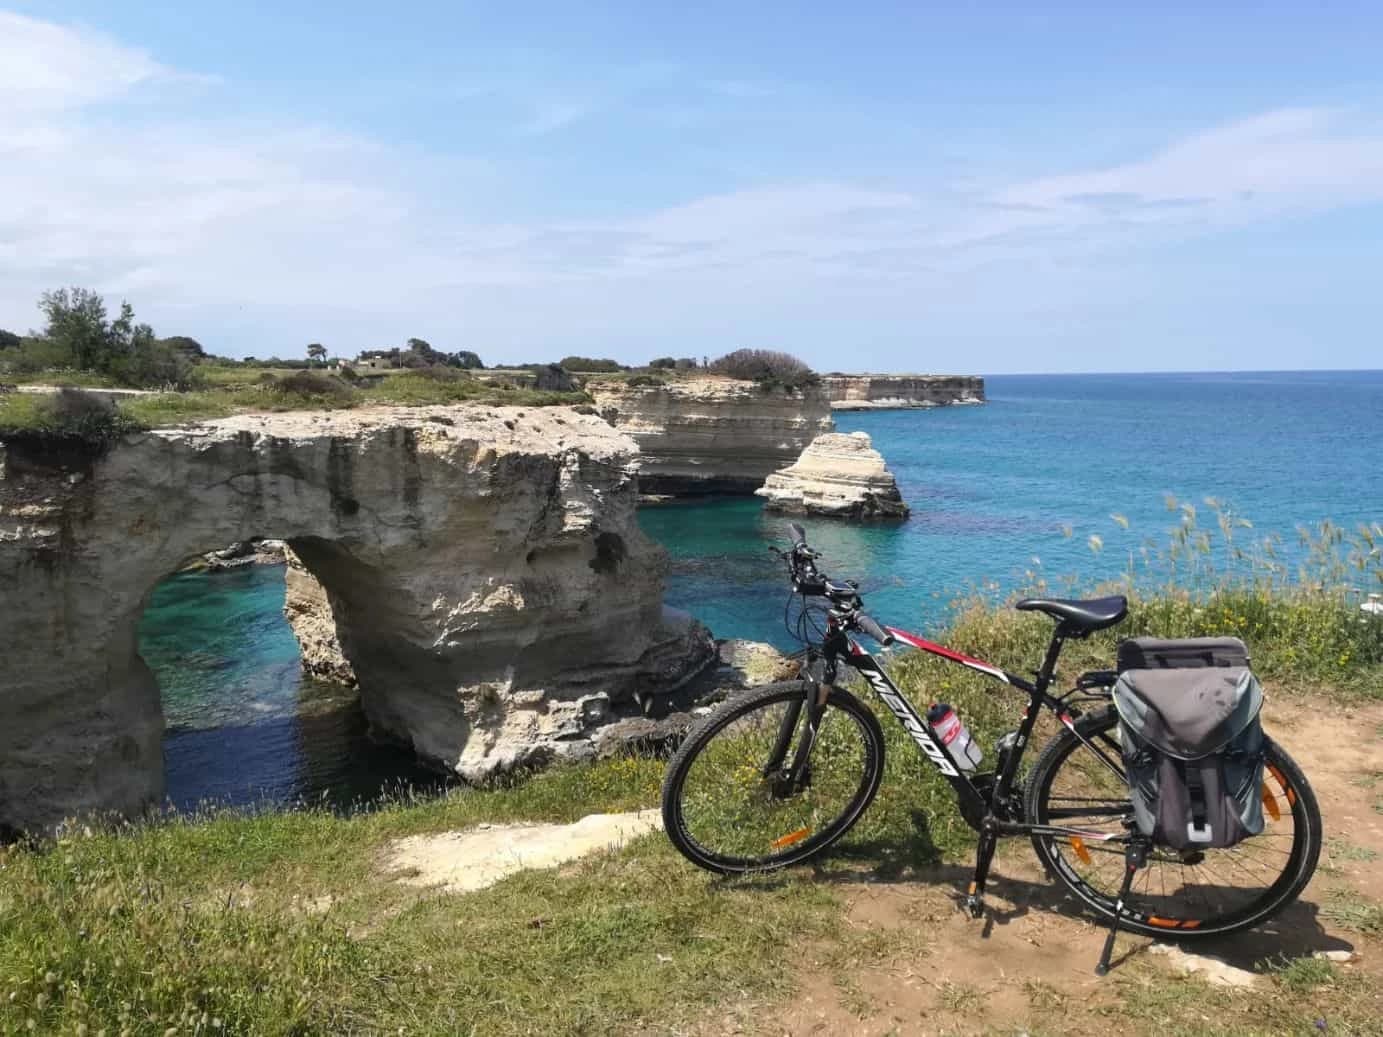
[(887, 391), (491, 589), (711, 435), (838, 475), (308, 609)]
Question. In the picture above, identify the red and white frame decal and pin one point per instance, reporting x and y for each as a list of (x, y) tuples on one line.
[(927, 646)]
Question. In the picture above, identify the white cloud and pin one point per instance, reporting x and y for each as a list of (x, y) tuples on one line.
[(234, 230), (46, 66)]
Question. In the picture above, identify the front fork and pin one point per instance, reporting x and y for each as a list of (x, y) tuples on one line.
[(790, 782)]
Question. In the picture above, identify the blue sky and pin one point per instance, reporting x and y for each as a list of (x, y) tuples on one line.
[(876, 186)]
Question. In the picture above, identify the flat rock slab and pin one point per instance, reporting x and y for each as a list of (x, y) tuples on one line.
[(1212, 970), (463, 862)]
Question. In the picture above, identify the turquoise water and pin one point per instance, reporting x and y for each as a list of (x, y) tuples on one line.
[(991, 489), (243, 725)]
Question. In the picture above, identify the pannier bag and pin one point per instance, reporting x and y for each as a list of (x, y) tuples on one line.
[(1191, 740)]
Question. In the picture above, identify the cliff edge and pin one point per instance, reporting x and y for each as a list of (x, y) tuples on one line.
[(490, 587)]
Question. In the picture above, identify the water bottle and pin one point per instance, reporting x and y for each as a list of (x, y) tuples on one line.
[(952, 734)]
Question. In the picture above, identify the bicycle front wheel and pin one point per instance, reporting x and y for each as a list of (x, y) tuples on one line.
[(726, 804), (1182, 893)]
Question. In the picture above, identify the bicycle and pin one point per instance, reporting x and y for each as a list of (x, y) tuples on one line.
[(769, 758)]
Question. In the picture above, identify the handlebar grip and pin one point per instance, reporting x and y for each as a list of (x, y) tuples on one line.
[(867, 625)]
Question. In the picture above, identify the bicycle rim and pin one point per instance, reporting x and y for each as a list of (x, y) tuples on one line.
[(726, 809), (1181, 893)]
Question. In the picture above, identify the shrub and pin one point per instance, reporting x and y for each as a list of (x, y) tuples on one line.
[(588, 364), (645, 379), (770, 369), (69, 414), (317, 386), (439, 373), (8, 339), (662, 363)]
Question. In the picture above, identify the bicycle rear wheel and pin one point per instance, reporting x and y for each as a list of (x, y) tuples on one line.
[(1181, 893), (725, 804)]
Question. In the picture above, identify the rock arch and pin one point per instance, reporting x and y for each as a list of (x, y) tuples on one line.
[(469, 555)]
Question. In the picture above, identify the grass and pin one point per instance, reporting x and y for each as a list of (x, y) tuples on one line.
[(228, 396), (1348, 910)]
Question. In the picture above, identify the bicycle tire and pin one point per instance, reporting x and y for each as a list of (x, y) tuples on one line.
[(1155, 910), (839, 704)]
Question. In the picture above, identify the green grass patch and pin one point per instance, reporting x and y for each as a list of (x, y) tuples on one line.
[(191, 921), (1349, 910)]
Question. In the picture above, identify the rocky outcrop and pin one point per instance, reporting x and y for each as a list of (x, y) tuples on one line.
[(711, 435), (310, 615), (891, 391), (490, 586), (838, 475)]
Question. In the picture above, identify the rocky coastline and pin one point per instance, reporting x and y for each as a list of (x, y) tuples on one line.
[(901, 391), (707, 435), (837, 476), (489, 585)]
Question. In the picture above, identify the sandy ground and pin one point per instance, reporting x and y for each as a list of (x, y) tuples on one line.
[(979, 976)]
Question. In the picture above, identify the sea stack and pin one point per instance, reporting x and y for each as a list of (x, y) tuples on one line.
[(839, 476)]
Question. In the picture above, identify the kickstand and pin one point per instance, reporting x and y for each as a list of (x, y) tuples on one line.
[(1135, 856)]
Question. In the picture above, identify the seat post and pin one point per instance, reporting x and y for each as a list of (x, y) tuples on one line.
[(1048, 670)]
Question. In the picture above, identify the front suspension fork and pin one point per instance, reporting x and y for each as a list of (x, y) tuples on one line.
[(791, 782)]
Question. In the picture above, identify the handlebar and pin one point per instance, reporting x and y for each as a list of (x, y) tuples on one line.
[(808, 581), (872, 629)]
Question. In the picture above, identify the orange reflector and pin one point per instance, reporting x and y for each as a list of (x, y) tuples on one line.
[(1078, 844), (1163, 923), (790, 838), (1270, 803), (1282, 780)]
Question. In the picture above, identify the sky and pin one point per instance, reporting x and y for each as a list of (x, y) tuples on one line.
[(873, 186)]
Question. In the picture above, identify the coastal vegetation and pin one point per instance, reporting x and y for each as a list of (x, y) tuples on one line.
[(289, 922), (767, 367)]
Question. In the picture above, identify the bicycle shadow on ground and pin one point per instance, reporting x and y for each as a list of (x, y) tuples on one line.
[(916, 860)]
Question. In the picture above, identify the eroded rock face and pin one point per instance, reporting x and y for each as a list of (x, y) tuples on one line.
[(890, 391), (840, 476), (711, 435), (308, 609), (490, 587)]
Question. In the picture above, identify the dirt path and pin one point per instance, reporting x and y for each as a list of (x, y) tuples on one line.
[(921, 966)]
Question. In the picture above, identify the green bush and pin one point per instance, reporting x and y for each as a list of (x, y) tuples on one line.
[(66, 414), (645, 379), (662, 363), (770, 369), (590, 365), (315, 386)]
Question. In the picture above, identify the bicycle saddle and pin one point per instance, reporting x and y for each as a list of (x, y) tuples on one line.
[(1079, 617)]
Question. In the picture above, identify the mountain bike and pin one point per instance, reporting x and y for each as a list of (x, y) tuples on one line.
[(777, 774)]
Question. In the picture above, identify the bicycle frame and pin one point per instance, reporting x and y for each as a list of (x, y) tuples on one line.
[(838, 646)]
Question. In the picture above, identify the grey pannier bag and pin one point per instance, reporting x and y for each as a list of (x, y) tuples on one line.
[(1191, 739)]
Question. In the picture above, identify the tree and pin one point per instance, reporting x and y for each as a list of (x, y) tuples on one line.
[(662, 363), (316, 351), (77, 325), (769, 368), (79, 334), (189, 348), (8, 339), (466, 360)]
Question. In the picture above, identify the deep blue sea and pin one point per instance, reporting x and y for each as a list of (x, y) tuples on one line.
[(998, 492), (1019, 485)]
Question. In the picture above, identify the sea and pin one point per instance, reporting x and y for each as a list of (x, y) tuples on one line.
[(1064, 478)]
